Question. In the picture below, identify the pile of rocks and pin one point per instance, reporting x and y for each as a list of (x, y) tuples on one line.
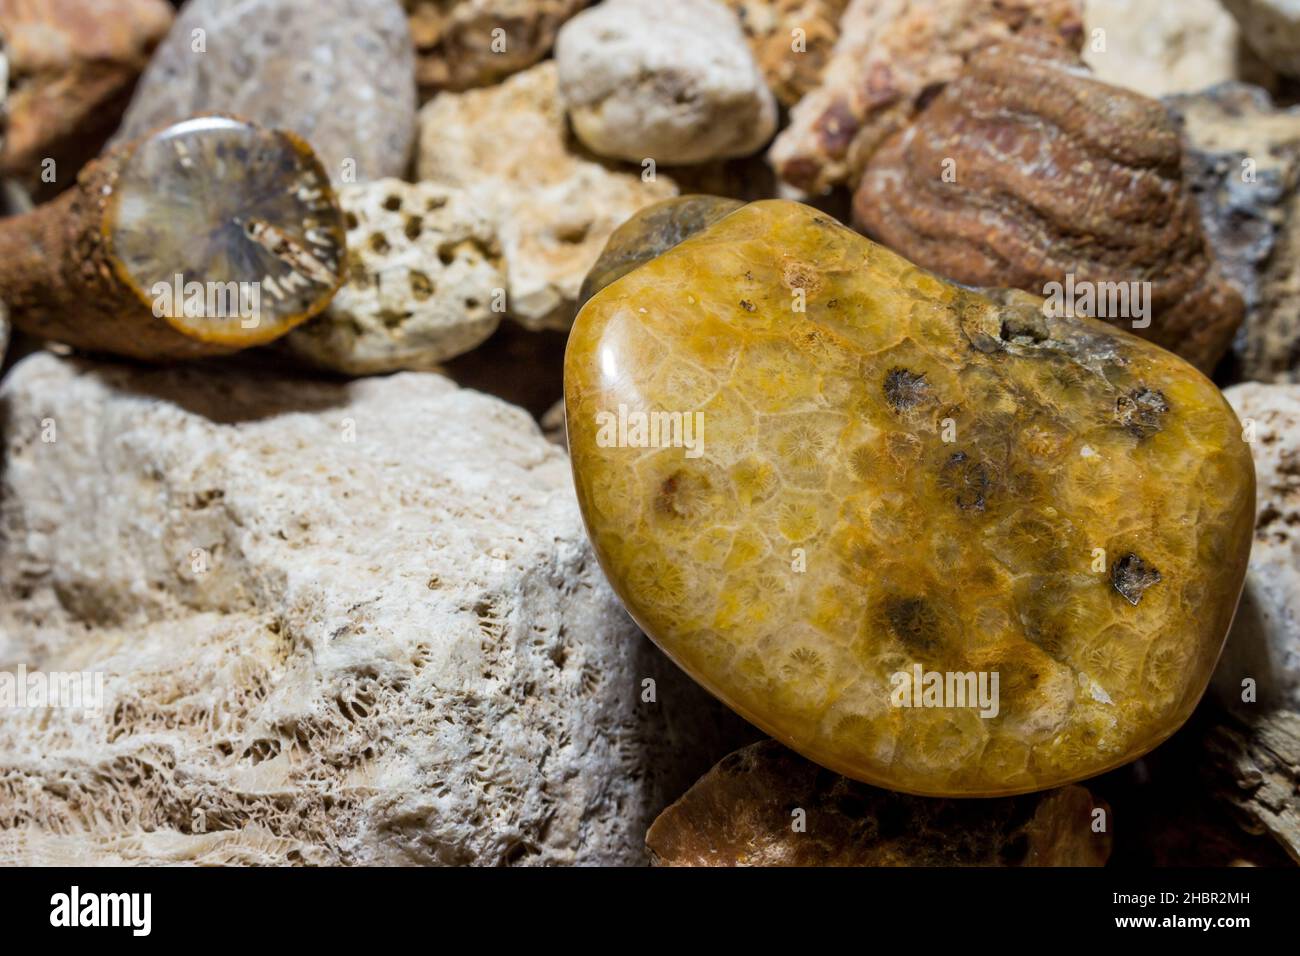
[(345, 610)]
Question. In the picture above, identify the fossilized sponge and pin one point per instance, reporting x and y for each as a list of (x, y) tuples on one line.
[(1027, 171), (818, 476)]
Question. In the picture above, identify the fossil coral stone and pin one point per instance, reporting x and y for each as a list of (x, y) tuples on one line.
[(510, 146), (891, 56), (1028, 171), (739, 814), (423, 269), (204, 237), (340, 73), (877, 471), (343, 622)]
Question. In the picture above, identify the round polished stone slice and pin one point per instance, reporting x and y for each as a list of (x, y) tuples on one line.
[(227, 230)]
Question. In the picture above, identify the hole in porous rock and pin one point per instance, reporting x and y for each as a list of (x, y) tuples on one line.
[(1141, 411)]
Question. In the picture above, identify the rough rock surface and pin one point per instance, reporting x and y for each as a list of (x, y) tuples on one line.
[(454, 47), (1027, 171), (1253, 765), (746, 812), (812, 470), (1157, 48), (72, 66), (338, 72), (1272, 28), (1242, 159), (770, 27), (1264, 644), (673, 81), (423, 269), (891, 56), (396, 649), (509, 145)]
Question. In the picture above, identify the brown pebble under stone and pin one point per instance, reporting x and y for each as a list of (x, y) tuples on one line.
[(743, 813)]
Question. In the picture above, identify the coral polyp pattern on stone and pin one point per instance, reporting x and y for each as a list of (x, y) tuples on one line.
[(809, 467)]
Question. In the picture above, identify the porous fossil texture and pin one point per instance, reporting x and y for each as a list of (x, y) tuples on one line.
[(891, 56), (1242, 160), (791, 40), (1264, 645), (555, 207), (1027, 171), (423, 273), (72, 67), (349, 623), (766, 806), (338, 72), (673, 81), (458, 46), (894, 472)]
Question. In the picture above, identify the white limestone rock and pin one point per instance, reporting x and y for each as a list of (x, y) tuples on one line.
[(508, 145), (1272, 28), (338, 623), (424, 271), (672, 81), (1157, 48), (1264, 644)]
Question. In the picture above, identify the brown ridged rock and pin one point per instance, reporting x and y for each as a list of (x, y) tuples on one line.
[(1028, 171), (765, 805), (890, 57)]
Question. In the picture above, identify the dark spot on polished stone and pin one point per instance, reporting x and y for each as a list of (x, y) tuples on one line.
[(913, 621), (904, 389), (1142, 411), (1131, 576)]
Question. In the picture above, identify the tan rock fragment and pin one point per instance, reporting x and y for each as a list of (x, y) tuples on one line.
[(509, 146), (766, 806)]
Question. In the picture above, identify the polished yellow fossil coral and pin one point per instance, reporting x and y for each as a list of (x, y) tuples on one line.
[(933, 539)]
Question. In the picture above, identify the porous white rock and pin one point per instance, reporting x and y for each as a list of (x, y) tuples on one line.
[(424, 274), (673, 81), (555, 208), (1157, 48), (337, 622), (1264, 643), (1272, 28)]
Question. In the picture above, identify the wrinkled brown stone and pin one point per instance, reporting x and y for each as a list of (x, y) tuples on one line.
[(453, 39), (891, 56), (769, 27), (744, 812), (1027, 170), (72, 67)]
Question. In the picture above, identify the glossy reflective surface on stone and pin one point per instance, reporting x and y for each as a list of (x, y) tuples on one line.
[(240, 220), (876, 473)]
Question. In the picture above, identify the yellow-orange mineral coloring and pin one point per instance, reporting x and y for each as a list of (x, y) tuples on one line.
[(877, 473)]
